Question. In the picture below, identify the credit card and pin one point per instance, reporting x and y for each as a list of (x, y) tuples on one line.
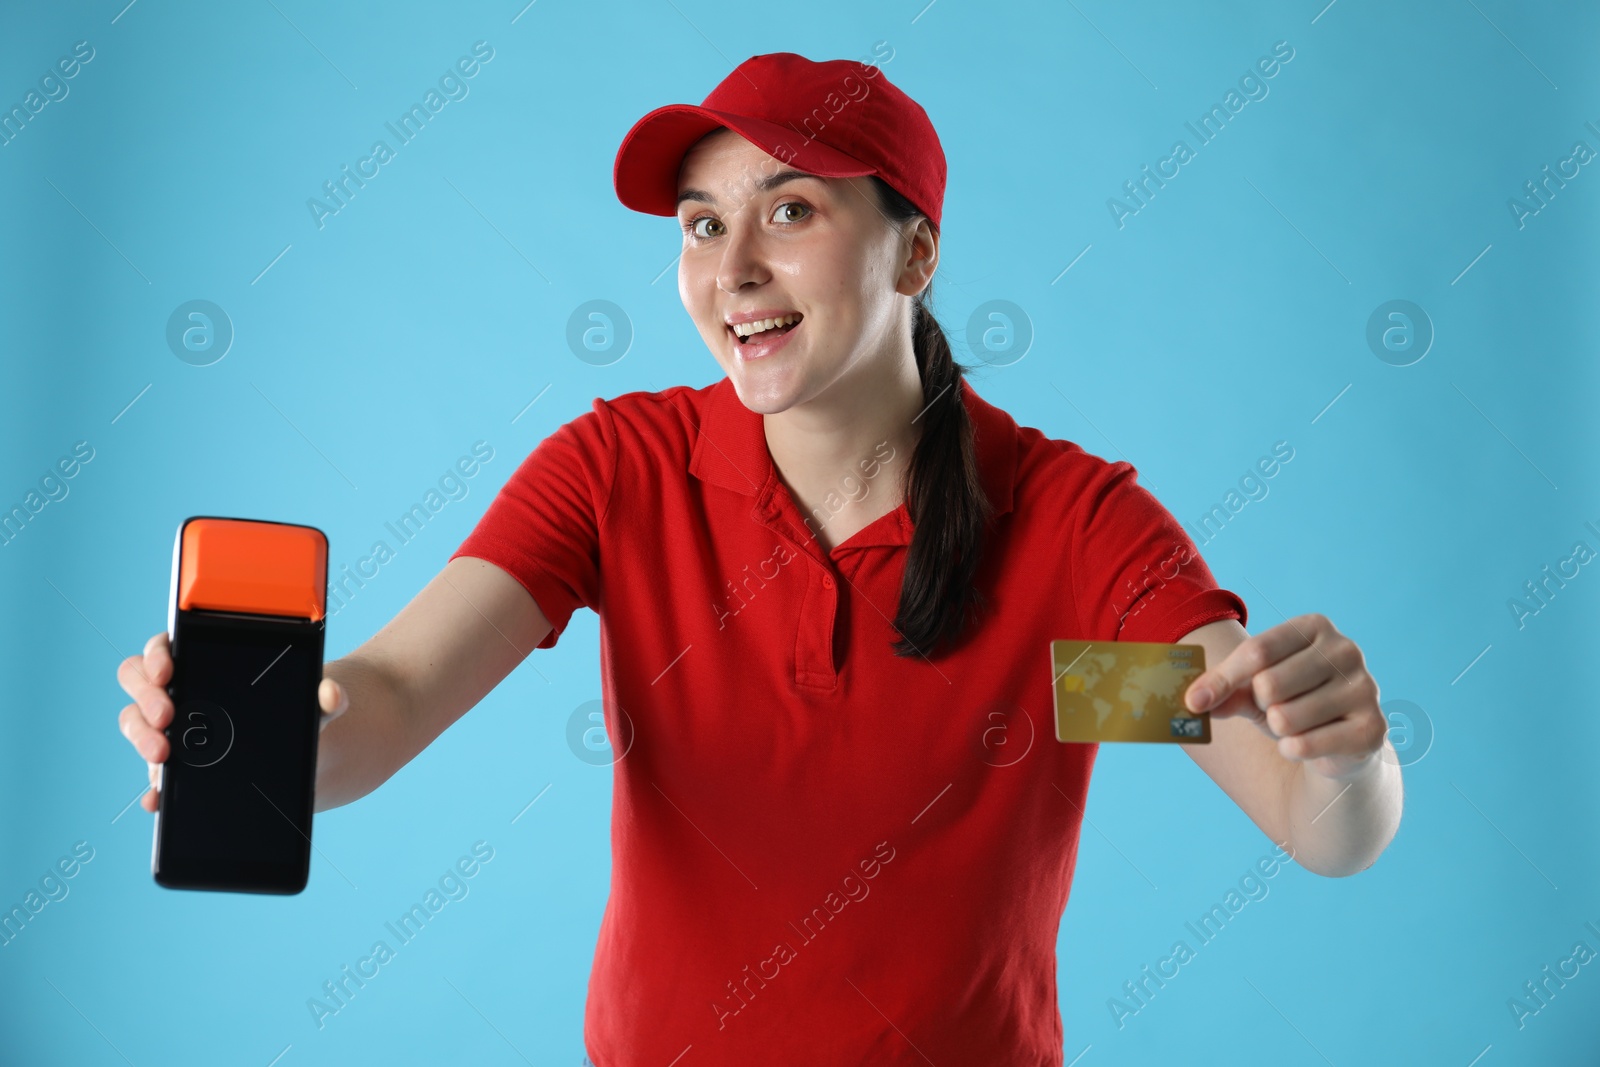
[(1127, 691)]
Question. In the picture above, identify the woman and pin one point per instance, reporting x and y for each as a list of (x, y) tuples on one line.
[(843, 830)]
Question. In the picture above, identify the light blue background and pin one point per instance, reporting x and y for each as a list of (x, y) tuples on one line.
[(1226, 315)]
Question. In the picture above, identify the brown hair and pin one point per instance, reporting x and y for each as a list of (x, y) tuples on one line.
[(944, 495)]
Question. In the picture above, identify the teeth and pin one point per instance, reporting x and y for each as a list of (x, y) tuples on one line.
[(745, 329)]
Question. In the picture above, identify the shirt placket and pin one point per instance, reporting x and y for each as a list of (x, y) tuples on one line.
[(819, 605)]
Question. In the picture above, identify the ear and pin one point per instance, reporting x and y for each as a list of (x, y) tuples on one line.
[(919, 254)]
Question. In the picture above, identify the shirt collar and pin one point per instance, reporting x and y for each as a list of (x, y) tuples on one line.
[(730, 451)]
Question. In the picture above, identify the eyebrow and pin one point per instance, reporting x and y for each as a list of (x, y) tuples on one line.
[(764, 185)]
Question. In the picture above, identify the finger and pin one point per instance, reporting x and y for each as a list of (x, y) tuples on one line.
[(156, 705), (133, 676), (1220, 681), (158, 649), (159, 666), (150, 799), (1242, 704), (1333, 699), (145, 683), (1300, 673), (158, 659), (333, 699), (1354, 736), (150, 742)]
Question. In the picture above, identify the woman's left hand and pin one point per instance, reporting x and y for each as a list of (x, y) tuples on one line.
[(1306, 686)]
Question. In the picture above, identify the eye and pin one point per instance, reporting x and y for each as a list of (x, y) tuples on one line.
[(691, 228), (789, 204)]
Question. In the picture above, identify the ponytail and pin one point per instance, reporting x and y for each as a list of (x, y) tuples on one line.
[(944, 494)]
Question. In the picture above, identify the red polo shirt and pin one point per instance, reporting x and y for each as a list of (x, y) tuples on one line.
[(823, 853)]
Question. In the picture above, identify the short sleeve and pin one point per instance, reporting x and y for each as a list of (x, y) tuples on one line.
[(543, 526), (1137, 575)]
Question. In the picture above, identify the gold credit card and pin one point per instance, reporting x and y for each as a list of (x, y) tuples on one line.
[(1127, 691)]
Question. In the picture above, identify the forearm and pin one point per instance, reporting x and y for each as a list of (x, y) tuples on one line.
[(363, 747), (1338, 827)]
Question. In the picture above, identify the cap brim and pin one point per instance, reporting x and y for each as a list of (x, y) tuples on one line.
[(645, 173)]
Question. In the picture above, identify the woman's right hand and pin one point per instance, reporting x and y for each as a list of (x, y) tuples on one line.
[(145, 678)]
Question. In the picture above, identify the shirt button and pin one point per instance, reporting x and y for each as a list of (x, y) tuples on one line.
[(827, 582)]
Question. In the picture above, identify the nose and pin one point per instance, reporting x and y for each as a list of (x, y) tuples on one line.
[(742, 260)]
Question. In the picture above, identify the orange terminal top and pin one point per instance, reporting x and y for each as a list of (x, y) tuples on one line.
[(264, 568)]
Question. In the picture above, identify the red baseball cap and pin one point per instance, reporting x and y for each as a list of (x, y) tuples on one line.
[(834, 119)]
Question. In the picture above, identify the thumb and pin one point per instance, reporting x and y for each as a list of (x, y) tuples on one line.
[(333, 699), (1221, 695)]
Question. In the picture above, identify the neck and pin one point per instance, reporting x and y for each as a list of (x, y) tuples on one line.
[(847, 451)]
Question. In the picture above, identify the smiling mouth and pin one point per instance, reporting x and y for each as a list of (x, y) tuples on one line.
[(779, 327)]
